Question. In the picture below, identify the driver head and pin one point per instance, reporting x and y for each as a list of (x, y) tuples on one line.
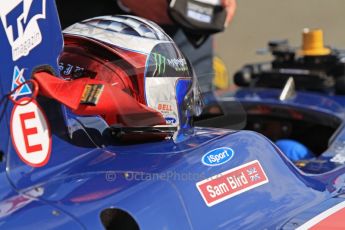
[(135, 56)]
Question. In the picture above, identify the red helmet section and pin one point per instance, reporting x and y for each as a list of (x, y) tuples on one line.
[(97, 80), (120, 68), (86, 96)]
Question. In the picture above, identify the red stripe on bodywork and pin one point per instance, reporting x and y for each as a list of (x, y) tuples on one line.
[(332, 222)]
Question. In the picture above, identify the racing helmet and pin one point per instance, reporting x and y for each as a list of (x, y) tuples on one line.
[(136, 56)]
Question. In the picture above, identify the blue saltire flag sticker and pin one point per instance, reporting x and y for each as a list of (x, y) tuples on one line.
[(17, 80), (218, 156)]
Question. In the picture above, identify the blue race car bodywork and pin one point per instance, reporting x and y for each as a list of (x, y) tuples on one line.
[(299, 98), (55, 176)]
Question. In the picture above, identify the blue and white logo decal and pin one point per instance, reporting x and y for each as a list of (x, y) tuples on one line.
[(217, 156), (20, 21), (17, 80), (171, 120)]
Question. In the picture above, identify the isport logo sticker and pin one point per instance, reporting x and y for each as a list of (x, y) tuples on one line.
[(217, 156), (20, 21)]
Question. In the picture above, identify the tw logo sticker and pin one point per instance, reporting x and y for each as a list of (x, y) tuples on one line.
[(20, 21)]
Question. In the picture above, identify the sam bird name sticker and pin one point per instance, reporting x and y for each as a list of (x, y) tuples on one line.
[(233, 182)]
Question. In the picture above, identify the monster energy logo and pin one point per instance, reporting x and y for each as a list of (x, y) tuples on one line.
[(178, 64), (160, 62)]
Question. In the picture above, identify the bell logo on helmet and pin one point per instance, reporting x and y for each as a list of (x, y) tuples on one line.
[(20, 21), (164, 107), (167, 109)]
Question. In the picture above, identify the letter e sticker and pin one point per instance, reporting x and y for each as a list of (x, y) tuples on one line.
[(30, 133)]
